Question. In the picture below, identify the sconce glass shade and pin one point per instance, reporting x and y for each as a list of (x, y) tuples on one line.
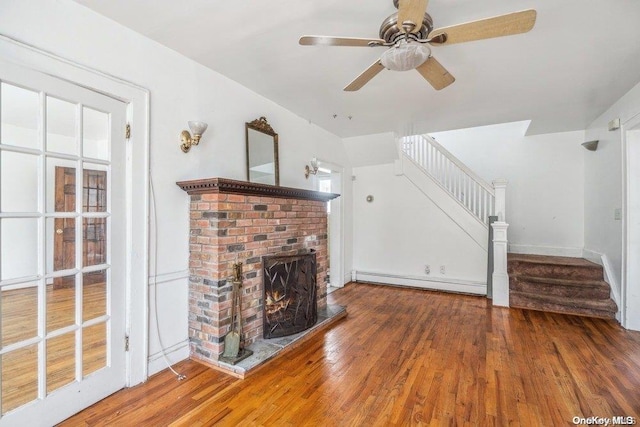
[(591, 145), (311, 169), (198, 128), (405, 56)]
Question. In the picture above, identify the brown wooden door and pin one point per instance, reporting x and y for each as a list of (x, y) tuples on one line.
[(94, 199)]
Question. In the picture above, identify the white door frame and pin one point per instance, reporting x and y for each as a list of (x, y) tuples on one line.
[(337, 202), (137, 184), (630, 286)]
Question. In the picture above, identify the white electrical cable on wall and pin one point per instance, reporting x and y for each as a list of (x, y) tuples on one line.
[(155, 275)]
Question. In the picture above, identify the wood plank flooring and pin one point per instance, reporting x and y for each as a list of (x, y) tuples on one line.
[(18, 322), (408, 357)]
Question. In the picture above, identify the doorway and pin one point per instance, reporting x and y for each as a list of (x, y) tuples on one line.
[(94, 199), (62, 185), (328, 179), (631, 230)]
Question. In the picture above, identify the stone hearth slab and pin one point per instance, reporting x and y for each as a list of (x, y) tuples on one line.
[(265, 350)]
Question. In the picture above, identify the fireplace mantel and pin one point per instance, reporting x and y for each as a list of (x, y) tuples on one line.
[(236, 221), (231, 186)]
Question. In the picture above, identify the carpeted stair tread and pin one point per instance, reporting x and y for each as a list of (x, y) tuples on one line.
[(556, 260), (583, 307), (559, 284), (566, 282), (592, 289), (560, 268)]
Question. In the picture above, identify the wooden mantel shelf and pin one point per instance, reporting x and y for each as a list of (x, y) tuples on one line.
[(230, 186)]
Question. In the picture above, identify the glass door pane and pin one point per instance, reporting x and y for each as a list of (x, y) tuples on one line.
[(19, 384), (19, 113), (60, 313)]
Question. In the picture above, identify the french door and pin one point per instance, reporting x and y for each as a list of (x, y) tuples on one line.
[(62, 247)]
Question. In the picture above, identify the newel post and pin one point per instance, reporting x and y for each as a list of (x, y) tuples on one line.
[(500, 191), (500, 276)]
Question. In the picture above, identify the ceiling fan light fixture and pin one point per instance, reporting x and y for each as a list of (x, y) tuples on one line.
[(405, 56)]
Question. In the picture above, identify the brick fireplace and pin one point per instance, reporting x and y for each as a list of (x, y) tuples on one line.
[(236, 221)]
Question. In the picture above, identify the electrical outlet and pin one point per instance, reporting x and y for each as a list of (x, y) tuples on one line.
[(617, 214), (442, 269), (427, 269)]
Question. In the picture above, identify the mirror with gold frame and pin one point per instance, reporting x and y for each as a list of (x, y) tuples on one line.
[(262, 152)]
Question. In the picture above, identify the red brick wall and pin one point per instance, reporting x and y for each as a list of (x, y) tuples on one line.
[(229, 228)]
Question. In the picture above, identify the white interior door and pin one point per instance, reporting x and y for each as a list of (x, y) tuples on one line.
[(62, 247)]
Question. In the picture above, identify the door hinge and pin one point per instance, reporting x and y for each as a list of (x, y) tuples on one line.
[(127, 131), (126, 343)]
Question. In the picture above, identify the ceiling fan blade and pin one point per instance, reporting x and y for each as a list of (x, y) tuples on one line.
[(412, 11), (498, 26), (364, 78), (338, 41), (435, 74)]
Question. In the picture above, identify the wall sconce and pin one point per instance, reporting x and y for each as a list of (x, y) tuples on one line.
[(197, 128), (591, 145), (311, 169)]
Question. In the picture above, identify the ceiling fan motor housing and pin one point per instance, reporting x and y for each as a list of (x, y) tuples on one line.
[(390, 32)]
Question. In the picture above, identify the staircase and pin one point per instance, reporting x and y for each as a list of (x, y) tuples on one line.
[(453, 176), (465, 197), (559, 284)]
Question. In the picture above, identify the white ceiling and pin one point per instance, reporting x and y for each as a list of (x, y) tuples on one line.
[(581, 56)]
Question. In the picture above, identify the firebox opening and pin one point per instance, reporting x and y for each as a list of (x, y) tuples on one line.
[(289, 294)]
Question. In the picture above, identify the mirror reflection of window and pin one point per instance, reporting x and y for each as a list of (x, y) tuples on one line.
[(262, 152), (261, 158)]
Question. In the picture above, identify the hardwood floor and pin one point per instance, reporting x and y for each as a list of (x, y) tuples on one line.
[(408, 357), (19, 316)]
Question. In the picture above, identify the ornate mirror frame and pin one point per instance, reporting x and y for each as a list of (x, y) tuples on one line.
[(261, 125)]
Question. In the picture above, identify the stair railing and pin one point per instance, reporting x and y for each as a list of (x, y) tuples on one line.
[(471, 191), (479, 198)]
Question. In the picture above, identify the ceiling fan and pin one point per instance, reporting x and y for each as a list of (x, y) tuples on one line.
[(408, 34)]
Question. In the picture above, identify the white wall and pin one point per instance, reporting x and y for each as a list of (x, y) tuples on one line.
[(545, 196), (603, 192), (368, 150), (402, 230), (181, 90)]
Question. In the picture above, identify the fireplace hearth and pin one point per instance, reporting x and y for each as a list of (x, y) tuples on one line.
[(290, 294), (236, 221)]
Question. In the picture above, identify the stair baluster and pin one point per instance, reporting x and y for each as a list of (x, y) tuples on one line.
[(471, 191)]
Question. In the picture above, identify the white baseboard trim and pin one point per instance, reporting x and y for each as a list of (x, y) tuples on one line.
[(444, 284), (19, 286), (545, 250), (592, 256), (168, 277), (175, 354), (603, 260), (346, 278)]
